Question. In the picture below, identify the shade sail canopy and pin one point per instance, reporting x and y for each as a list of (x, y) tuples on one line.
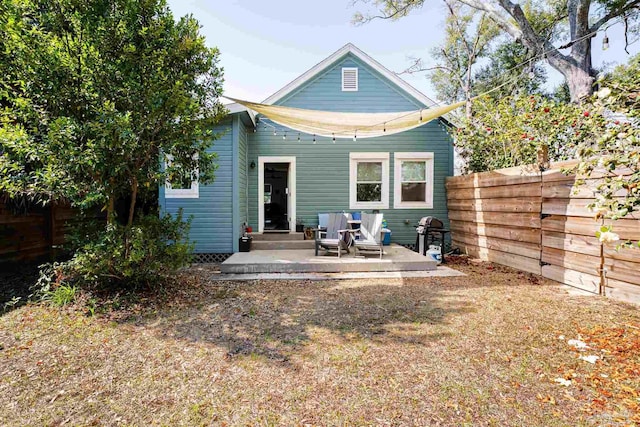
[(347, 125)]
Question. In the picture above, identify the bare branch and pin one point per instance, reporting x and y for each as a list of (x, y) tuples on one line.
[(634, 4), (397, 12), (496, 16)]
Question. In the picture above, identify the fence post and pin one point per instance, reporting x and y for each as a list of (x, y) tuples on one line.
[(543, 157)]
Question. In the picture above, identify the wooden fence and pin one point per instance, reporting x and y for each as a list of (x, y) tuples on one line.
[(539, 222), (34, 234)]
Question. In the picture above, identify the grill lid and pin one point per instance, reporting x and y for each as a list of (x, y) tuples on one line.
[(429, 222)]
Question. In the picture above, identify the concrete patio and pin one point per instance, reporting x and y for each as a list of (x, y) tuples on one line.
[(395, 258)]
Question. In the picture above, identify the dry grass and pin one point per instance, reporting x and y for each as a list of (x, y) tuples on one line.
[(475, 350)]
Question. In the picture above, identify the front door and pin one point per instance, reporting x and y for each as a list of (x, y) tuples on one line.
[(276, 194), (276, 197)]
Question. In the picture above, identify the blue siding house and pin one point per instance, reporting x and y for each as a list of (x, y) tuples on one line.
[(272, 178)]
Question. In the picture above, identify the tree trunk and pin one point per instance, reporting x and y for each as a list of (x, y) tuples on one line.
[(110, 208), (132, 205), (574, 66)]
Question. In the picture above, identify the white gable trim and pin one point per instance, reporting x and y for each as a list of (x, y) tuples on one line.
[(350, 48), (239, 108)]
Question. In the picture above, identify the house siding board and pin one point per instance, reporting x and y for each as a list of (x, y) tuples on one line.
[(212, 211), (323, 173)]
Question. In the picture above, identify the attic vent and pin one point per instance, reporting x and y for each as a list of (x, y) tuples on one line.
[(349, 79)]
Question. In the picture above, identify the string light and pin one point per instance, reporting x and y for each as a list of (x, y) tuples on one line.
[(355, 135), (334, 137), (298, 136), (384, 129), (285, 135), (274, 132), (605, 42), (314, 138), (420, 121)]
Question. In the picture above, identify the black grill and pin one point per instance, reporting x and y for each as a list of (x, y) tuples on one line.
[(433, 231), (428, 222)]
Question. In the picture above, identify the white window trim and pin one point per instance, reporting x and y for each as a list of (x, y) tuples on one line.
[(354, 158), (181, 193), (397, 180), (357, 82)]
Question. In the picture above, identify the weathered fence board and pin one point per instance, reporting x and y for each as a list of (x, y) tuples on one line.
[(500, 191), (571, 242), (584, 281), (32, 235), (571, 224), (523, 263), (507, 176), (571, 260), (519, 234), (520, 204), (530, 220), (622, 290), (531, 250)]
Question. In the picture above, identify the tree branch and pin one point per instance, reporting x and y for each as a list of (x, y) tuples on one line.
[(634, 4), (396, 13), (497, 17)]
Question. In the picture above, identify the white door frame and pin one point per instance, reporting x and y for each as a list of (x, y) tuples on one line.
[(291, 185)]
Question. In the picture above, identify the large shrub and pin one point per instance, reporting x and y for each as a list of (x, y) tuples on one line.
[(145, 253), (508, 131)]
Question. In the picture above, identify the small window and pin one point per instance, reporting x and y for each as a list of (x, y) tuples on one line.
[(349, 79), (369, 180), (413, 176), (181, 184)]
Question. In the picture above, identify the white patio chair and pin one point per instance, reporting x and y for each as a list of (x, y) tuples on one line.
[(370, 234), (335, 237)]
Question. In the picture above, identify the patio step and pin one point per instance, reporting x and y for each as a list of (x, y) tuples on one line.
[(271, 245), (274, 237)]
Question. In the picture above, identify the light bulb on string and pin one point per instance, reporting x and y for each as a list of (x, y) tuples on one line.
[(314, 138), (355, 136), (285, 135), (384, 129), (420, 121), (605, 42), (298, 137), (274, 132), (334, 137)]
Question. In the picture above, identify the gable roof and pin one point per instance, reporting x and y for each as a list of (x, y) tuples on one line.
[(340, 53)]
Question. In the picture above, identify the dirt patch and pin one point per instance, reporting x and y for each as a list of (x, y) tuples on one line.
[(483, 349)]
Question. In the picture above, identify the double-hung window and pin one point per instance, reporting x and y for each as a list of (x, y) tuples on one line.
[(181, 183), (368, 180), (413, 181)]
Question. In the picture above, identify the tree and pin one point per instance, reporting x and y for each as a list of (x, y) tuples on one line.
[(100, 91), (538, 25), (468, 34), (95, 94), (504, 67)]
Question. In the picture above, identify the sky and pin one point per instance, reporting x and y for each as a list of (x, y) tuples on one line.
[(266, 44)]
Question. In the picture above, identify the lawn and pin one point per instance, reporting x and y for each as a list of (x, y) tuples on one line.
[(491, 348)]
